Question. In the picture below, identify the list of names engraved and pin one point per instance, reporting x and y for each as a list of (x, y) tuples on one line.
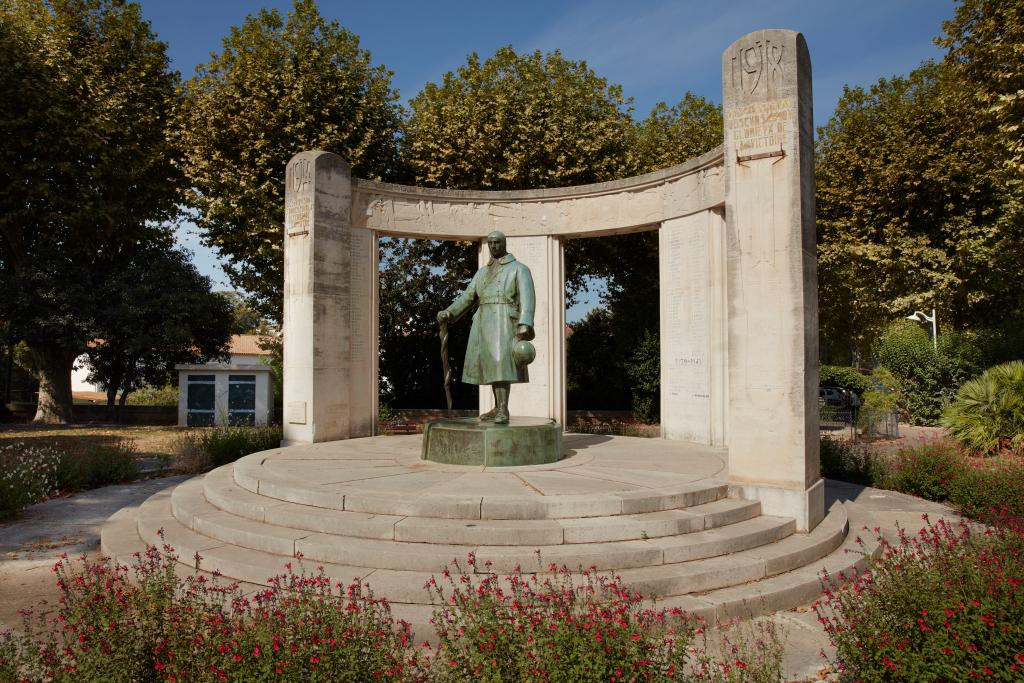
[(760, 125)]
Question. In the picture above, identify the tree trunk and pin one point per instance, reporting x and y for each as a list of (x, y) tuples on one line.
[(111, 407), (122, 401), (54, 365)]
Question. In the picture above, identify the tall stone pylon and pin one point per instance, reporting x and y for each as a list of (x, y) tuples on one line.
[(770, 227), (330, 300)]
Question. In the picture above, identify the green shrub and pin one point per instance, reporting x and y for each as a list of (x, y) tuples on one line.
[(843, 376), (988, 411), (905, 349), (926, 471), (644, 370), (883, 394), (90, 468), (579, 626), (30, 474), (154, 396), (147, 623), (940, 605), (113, 623), (207, 448), (983, 486), (845, 462)]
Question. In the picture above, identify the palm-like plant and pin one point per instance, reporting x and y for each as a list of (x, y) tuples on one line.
[(988, 411)]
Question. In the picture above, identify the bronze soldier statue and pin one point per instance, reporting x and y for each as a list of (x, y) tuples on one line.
[(505, 302)]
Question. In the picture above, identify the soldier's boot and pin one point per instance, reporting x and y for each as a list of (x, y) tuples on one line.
[(501, 392), (489, 415)]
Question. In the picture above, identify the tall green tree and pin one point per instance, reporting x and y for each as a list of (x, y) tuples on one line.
[(523, 121), (911, 211), (518, 121), (985, 53), (672, 135), (281, 85), (158, 311), (412, 291), (85, 168), (509, 122)]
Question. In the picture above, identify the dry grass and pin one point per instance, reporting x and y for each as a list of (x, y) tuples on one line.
[(149, 441)]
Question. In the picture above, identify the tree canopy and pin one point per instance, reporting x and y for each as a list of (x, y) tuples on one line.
[(986, 53), (279, 86), (158, 311), (522, 121), (914, 204), (86, 169)]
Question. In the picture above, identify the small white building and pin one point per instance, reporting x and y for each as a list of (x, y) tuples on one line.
[(239, 392)]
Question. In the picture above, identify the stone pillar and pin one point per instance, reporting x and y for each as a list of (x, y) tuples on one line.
[(773, 291), (330, 275), (694, 390), (544, 396)]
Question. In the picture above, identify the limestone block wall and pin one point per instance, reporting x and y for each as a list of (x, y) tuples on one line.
[(772, 274), (694, 327), (330, 294)]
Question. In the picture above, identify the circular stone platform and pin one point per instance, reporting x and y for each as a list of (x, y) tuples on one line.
[(469, 441), (658, 513)]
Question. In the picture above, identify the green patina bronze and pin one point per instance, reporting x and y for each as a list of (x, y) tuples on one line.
[(502, 293), (468, 441), (502, 299)]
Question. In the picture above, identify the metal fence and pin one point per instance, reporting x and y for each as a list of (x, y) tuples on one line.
[(860, 423)]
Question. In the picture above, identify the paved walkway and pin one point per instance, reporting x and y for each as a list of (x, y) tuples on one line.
[(30, 544)]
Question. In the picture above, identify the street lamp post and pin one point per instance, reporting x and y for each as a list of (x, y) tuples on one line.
[(921, 318)]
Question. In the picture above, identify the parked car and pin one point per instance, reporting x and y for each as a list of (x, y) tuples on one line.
[(833, 396)]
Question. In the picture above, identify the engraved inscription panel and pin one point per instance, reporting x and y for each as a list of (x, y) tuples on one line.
[(758, 126), (363, 271), (686, 259)]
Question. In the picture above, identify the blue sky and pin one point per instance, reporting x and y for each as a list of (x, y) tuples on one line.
[(655, 49)]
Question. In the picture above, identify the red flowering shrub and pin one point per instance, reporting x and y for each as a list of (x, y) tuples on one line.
[(944, 605), (572, 627), (145, 623), (986, 486), (927, 470), (113, 623)]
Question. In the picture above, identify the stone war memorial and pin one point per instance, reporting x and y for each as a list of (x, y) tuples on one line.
[(723, 516)]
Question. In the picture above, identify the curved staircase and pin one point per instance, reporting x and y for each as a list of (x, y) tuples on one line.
[(655, 512)]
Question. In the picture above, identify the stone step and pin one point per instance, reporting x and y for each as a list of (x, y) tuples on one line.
[(221, 490), (411, 499), (255, 565), (120, 541), (796, 585), (740, 585), (191, 508)]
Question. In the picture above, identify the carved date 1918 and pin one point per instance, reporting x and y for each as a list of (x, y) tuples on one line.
[(757, 65)]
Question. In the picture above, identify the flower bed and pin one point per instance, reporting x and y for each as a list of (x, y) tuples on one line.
[(946, 604), (938, 470), (145, 623)]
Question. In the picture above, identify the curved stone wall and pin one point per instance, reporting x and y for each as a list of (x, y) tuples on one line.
[(738, 283), (616, 207)]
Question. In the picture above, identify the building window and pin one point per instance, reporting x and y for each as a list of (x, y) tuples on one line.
[(201, 400), (241, 399)]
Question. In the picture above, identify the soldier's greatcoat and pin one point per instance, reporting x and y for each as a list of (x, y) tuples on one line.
[(503, 294)]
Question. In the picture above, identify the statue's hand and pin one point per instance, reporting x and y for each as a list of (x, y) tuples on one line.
[(444, 317), (524, 332)]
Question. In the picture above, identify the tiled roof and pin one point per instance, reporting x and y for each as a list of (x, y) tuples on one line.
[(247, 345)]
